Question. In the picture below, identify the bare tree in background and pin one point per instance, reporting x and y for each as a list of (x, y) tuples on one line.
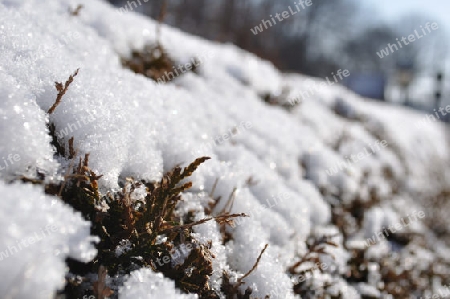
[(300, 43), (428, 52), (359, 52)]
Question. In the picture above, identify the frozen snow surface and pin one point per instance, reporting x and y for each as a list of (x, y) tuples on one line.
[(300, 161)]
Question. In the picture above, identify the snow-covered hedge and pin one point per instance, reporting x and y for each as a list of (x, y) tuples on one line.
[(274, 169)]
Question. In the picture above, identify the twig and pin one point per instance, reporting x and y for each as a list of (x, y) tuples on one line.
[(214, 188), (63, 185), (229, 205), (162, 15), (100, 288), (220, 218), (318, 247), (61, 91), (72, 151), (75, 12), (239, 281)]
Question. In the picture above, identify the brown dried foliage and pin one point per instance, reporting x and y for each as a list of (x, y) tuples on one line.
[(152, 62), (75, 12), (62, 89), (231, 290)]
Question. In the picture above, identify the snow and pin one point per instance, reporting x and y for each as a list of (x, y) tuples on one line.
[(145, 283), (132, 126), (22, 125), (33, 252)]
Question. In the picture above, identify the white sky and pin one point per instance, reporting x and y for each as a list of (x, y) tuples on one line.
[(391, 10)]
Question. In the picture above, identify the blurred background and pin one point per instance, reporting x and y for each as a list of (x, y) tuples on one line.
[(331, 35)]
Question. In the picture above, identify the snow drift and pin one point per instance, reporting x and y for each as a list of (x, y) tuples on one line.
[(134, 127)]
